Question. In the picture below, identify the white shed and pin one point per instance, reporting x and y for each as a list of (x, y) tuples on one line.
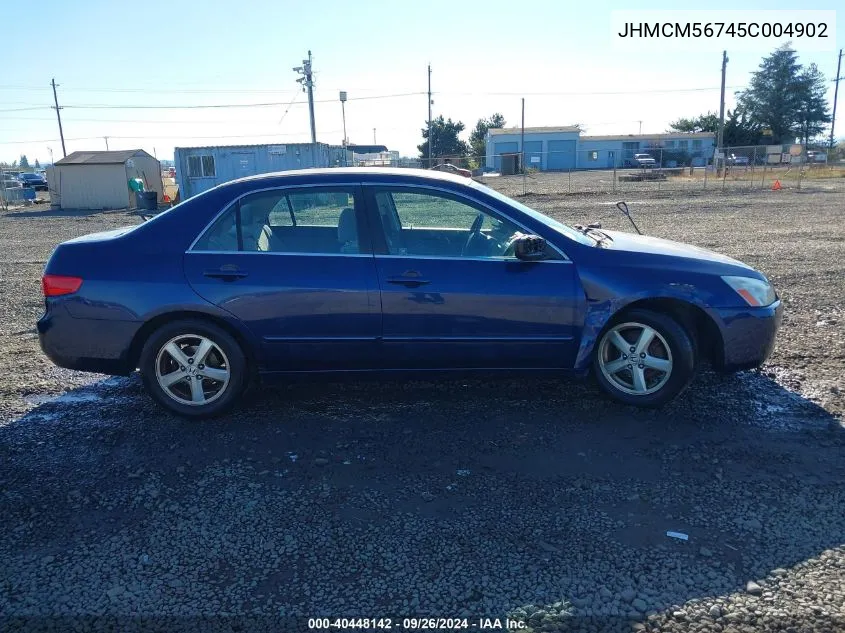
[(100, 180)]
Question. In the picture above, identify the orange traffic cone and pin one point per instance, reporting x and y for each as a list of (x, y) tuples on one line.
[(776, 186)]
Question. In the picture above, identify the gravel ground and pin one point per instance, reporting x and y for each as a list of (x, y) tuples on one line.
[(537, 500)]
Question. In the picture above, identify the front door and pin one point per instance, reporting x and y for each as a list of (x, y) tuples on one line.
[(454, 296), (296, 266)]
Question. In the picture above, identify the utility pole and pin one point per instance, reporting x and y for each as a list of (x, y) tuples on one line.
[(374, 136), (641, 127), (59, 117), (522, 146), (106, 139), (430, 137), (720, 140), (343, 112), (307, 81), (835, 96)]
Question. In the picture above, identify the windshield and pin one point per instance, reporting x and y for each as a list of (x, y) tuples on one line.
[(560, 227)]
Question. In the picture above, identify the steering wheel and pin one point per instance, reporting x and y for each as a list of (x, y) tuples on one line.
[(510, 244), (474, 230)]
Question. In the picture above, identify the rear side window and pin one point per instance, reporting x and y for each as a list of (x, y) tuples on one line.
[(312, 220)]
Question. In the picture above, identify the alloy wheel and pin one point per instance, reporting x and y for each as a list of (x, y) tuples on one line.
[(635, 358), (192, 369)]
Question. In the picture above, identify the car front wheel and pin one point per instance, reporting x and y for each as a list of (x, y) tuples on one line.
[(193, 368), (644, 358)]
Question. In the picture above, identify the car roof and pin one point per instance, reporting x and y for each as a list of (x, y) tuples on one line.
[(365, 173)]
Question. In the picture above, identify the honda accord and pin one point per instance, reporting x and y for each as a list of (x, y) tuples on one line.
[(357, 270)]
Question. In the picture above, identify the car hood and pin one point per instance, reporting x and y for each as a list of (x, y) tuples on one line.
[(657, 246)]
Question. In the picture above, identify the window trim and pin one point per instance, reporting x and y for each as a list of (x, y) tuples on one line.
[(369, 195), (365, 241)]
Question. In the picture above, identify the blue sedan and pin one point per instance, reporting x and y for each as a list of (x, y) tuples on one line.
[(376, 270)]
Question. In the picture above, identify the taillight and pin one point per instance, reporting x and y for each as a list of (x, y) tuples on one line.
[(56, 285)]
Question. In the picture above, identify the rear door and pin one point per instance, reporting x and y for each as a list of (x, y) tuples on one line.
[(454, 296), (296, 266)]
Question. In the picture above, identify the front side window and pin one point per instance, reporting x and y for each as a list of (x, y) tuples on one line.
[(429, 224), (312, 220)]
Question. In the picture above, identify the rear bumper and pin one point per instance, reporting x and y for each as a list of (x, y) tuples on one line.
[(95, 345), (748, 335)]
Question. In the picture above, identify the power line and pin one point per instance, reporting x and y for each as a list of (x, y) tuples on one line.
[(169, 136), (27, 109), (105, 106), (371, 97), (586, 94)]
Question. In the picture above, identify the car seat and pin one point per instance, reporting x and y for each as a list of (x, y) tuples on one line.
[(347, 231)]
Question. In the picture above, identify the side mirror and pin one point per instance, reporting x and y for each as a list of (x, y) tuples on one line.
[(530, 248)]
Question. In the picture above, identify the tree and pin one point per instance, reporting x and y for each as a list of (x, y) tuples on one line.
[(703, 123), (24, 162), (37, 164), (812, 104), (446, 142), (784, 97), (740, 130), (478, 135), (783, 101)]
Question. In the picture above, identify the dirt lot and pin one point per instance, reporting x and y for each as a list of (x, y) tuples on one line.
[(540, 500)]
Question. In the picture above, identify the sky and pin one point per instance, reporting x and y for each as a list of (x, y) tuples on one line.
[(109, 58)]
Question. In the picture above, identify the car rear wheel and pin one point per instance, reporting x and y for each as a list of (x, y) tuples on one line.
[(644, 358), (193, 368)]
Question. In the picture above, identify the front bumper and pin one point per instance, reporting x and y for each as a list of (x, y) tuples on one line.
[(748, 335), (96, 345)]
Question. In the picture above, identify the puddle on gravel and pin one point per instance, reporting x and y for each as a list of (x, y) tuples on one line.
[(37, 399), (777, 405), (79, 396)]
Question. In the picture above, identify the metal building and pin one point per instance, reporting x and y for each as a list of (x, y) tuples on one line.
[(563, 148), (100, 180), (201, 168)]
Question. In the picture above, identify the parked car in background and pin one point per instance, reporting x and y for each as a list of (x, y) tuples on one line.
[(816, 157), (644, 160), (36, 181), (738, 159), (396, 271), (13, 190)]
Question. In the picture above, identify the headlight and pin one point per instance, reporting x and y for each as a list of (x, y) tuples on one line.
[(756, 292)]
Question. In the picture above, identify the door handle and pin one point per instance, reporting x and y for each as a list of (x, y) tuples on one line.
[(408, 283), (225, 274)]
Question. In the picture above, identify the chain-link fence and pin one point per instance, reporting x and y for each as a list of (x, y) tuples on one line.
[(690, 168)]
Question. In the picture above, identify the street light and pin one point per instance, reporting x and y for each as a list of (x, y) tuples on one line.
[(343, 110)]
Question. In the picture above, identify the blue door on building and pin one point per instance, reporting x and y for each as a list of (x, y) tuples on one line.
[(503, 148), (561, 155), (534, 154)]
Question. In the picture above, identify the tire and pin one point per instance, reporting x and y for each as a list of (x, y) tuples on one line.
[(664, 372), (174, 384)]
